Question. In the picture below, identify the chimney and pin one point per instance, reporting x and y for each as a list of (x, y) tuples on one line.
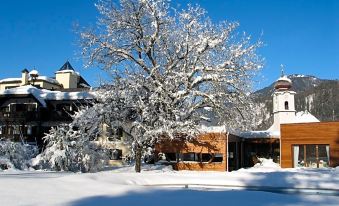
[(24, 77)]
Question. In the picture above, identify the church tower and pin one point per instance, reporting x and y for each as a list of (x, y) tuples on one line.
[(283, 102)]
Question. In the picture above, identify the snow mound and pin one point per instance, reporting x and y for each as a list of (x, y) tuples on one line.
[(156, 168), (266, 163), (265, 166)]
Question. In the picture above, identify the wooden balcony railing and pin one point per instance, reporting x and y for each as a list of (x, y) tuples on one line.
[(19, 116), (34, 116)]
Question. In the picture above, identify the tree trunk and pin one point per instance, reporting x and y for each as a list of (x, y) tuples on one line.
[(138, 158)]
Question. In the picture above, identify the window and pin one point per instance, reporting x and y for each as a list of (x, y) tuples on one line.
[(201, 157), (190, 157), (4, 109), (118, 132), (10, 87), (315, 156), (17, 129), (9, 130), (114, 133), (217, 158), (20, 107), (286, 105), (115, 154), (206, 157), (31, 107), (171, 157)]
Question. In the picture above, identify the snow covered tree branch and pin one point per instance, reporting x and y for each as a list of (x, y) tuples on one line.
[(175, 67)]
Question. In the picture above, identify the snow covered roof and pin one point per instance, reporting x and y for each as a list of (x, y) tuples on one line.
[(44, 78), (34, 72), (25, 90), (213, 129), (284, 78), (304, 117), (260, 134), (43, 94), (47, 79), (10, 80), (68, 71), (57, 95)]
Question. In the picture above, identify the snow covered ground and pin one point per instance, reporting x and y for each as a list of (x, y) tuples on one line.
[(158, 185)]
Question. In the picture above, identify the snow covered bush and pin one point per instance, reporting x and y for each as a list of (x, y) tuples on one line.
[(16, 155), (172, 69), (73, 147)]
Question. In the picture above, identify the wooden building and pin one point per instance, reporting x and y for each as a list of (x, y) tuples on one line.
[(207, 152), (310, 145), (293, 140)]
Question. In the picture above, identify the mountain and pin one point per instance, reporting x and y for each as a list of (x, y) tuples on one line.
[(318, 96)]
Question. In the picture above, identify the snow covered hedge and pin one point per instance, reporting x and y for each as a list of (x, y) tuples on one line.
[(16, 155)]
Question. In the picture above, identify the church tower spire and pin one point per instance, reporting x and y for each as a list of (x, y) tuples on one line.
[(283, 102)]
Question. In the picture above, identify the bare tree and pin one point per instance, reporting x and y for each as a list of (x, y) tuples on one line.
[(176, 66)]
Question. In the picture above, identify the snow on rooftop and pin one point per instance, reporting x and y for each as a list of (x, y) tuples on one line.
[(213, 129), (284, 78), (57, 95), (47, 79), (10, 80), (29, 89), (34, 72), (67, 71), (304, 117), (260, 134), (43, 94)]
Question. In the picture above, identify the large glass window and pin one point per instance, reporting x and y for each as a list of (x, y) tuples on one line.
[(201, 157), (189, 157), (171, 157), (315, 156)]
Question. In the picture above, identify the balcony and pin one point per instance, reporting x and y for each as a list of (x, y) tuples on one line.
[(31, 116), (19, 116)]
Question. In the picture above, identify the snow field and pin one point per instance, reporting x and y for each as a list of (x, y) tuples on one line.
[(159, 185)]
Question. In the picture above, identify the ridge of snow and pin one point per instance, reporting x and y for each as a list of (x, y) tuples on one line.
[(68, 71), (304, 117), (45, 78), (260, 134), (213, 129), (43, 94), (58, 95), (29, 89), (33, 72), (10, 80)]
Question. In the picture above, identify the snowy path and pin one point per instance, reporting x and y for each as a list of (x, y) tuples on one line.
[(123, 187)]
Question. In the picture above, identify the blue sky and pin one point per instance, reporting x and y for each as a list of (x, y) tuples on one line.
[(303, 35)]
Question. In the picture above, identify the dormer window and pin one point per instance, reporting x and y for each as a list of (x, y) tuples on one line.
[(286, 105)]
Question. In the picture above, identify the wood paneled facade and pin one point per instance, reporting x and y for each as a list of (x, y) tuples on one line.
[(211, 144), (319, 133)]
